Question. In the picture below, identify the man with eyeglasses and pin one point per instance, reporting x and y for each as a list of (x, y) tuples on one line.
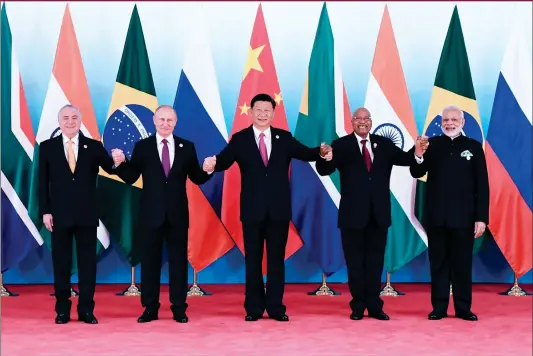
[(365, 162)]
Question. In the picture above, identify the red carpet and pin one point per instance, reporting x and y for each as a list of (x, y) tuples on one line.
[(318, 326)]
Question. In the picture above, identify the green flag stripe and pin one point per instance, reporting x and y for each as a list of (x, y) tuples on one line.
[(454, 73), (134, 63)]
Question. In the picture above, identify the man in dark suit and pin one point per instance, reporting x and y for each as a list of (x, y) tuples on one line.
[(165, 161), (364, 162), (264, 154), (68, 168), (456, 211)]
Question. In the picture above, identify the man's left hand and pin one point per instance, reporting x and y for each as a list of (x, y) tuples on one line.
[(479, 229)]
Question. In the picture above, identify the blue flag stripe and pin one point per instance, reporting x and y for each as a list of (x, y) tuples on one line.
[(17, 240), (195, 124), (510, 136), (315, 217)]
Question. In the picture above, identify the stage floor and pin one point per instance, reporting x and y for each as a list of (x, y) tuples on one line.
[(318, 326)]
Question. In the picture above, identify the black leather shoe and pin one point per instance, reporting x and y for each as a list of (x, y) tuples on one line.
[(380, 316), (181, 318), (62, 318), (356, 316), (282, 317), (436, 316), (468, 316), (147, 317), (87, 318), (252, 317)]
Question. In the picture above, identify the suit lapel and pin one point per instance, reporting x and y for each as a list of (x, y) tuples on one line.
[(82, 151), (60, 152), (274, 143), (375, 149), (177, 154)]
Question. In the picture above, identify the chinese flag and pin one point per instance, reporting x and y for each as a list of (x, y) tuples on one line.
[(259, 77)]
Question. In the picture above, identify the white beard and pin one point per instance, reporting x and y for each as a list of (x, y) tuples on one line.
[(452, 134)]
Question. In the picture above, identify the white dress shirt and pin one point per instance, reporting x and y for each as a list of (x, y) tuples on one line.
[(170, 145), (75, 145), (368, 145), (267, 139)]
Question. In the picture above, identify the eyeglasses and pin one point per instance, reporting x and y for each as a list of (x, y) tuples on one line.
[(362, 118)]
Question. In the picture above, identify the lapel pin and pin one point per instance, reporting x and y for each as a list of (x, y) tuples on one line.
[(375, 145), (181, 144), (277, 137), (84, 146)]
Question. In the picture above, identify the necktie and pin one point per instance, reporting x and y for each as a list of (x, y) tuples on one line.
[(70, 156), (366, 155), (165, 157), (263, 148)]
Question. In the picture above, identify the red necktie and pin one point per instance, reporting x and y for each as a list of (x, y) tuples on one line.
[(366, 155), (263, 149), (165, 157)]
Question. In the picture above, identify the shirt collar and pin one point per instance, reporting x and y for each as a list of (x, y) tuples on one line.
[(159, 138), (258, 132), (359, 138), (74, 139)]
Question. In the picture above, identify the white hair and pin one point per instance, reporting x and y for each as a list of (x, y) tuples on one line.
[(68, 106), (453, 108)]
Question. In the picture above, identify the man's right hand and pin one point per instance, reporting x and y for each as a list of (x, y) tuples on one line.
[(48, 221), (209, 164)]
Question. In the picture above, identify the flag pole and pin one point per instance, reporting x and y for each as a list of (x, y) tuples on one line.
[(132, 290), (388, 290), (515, 290), (196, 290), (324, 290), (4, 292)]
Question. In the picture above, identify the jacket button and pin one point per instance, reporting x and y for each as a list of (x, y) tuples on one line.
[(73, 179)]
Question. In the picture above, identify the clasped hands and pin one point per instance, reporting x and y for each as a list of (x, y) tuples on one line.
[(326, 152), (421, 145), (118, 156)]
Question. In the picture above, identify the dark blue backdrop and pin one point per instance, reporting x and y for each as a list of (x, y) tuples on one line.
[(489, 267)]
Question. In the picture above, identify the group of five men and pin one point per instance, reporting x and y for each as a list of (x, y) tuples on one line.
[(456, 209)]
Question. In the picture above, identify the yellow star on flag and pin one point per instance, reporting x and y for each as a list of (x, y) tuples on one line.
[(277, 98), (252, 60), (244, 109)]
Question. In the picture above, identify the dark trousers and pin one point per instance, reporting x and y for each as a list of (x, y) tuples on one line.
[(275, 233), (152, 239), (62, 262), (450, 260), (364, 251)]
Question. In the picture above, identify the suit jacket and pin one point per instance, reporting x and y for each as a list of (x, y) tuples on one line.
[(457, 182), (265, 191), (71, 197), (364, 192), (163, 198)]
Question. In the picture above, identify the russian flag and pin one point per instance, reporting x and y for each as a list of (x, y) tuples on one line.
[(201, 120), (509, 153)]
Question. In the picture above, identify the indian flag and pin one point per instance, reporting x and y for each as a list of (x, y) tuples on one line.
[(388, 101), (453, 86), (130, 118), (68, 85)]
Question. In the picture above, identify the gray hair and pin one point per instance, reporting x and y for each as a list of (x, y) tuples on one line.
[(68, 106), (165, 106), (453, 108)]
